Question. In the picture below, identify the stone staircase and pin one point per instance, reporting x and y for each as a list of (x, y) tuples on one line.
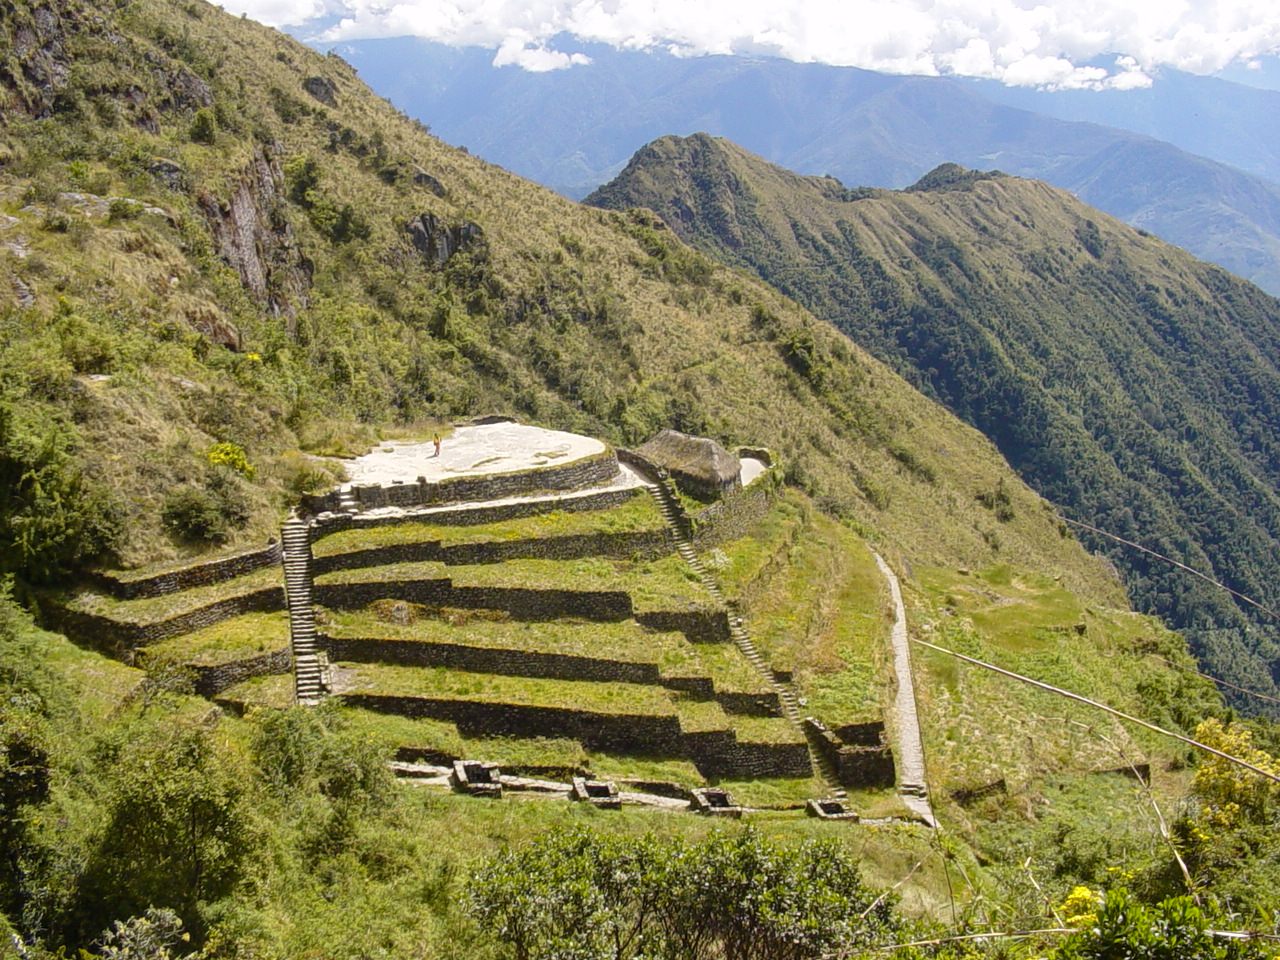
[(309, 670), (678, 523)]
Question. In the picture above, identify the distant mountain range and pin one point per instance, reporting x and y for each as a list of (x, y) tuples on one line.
[(574, 129), (1129, 383)]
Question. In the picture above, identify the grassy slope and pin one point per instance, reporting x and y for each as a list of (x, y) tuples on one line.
[(1124, 379)]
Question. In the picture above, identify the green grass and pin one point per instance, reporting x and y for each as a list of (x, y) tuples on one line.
[(239, 638), (814, 602), (766, 730), (154, 609), (980, 727), (701, 715), (638, 513), (440, 683), (653, 584), (774, 791), (416, 570), (392, 731), (272, 693), (623, 640)]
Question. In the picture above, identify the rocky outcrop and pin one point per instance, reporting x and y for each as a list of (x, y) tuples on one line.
[(253, 235), (322, 89), (438, 242), (423, 179)]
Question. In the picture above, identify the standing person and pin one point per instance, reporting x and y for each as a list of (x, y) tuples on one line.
[(436, 441)]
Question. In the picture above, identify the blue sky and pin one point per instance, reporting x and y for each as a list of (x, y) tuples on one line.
[(1100, 44)]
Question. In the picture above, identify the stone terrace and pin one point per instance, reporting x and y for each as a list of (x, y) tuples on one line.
[(522, 583)]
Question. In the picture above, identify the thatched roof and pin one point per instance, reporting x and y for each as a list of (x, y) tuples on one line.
[(701, 460)]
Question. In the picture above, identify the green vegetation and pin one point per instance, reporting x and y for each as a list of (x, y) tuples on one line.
[(225, 266), (638, 513), (246, 636), (590, 894), (153, 338), (1123, 379)]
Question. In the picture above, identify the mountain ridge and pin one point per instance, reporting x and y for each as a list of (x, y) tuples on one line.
[(574, 129)]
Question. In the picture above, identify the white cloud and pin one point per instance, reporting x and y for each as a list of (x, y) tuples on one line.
[(278, 13), (1035, 42)]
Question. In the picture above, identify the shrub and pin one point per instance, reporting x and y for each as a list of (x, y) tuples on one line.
[(204, 128), (206, 514), (230, 455)]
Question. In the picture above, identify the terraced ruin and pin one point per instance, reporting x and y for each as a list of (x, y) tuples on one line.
[(520, 586)]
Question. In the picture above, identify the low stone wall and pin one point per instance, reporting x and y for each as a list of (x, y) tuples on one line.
[(591, 471), (212, 680), (700, 688), (641, 544), (718, 753), (198, 574), (522, 603), (627, 732), (861, 734), (470, 516), (511, 663), (702, 625), (865, 767), (116, 637)]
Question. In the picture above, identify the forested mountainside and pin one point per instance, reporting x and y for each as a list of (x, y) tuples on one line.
[(226, 265), (574, 129), (1125, 380)]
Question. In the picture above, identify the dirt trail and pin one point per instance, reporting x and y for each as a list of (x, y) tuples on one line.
[(909, 750)]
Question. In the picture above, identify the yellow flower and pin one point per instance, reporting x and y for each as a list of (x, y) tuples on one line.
[(1081, 907)]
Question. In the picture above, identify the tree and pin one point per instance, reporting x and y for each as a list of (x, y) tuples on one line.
[(588, 896)]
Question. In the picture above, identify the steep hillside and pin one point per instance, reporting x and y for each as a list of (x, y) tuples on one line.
[(575, 129), (1125, 380), (195, 258), (231, 265)]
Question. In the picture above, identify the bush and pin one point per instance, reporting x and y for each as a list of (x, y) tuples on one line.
[(230, 455), (583, 894), (204, 128), (53, 519), (207, 514)]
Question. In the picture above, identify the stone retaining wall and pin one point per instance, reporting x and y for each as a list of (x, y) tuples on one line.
[(641, 544), (750, 704), (512, 663), (866, 764), (522, 603), (716, 753), (212, 680), (700, 625), (116, 637), (184, 578), (591, 471), (626, 732)]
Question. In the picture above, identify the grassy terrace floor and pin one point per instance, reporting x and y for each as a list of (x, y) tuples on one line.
[(1031, 625), (624, 640), (638, 513), (653, 584), (815, 604), (436, 683), (154, 609), (239, 638)]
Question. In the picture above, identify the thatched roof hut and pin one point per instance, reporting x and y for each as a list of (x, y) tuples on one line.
[(697, 464)]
